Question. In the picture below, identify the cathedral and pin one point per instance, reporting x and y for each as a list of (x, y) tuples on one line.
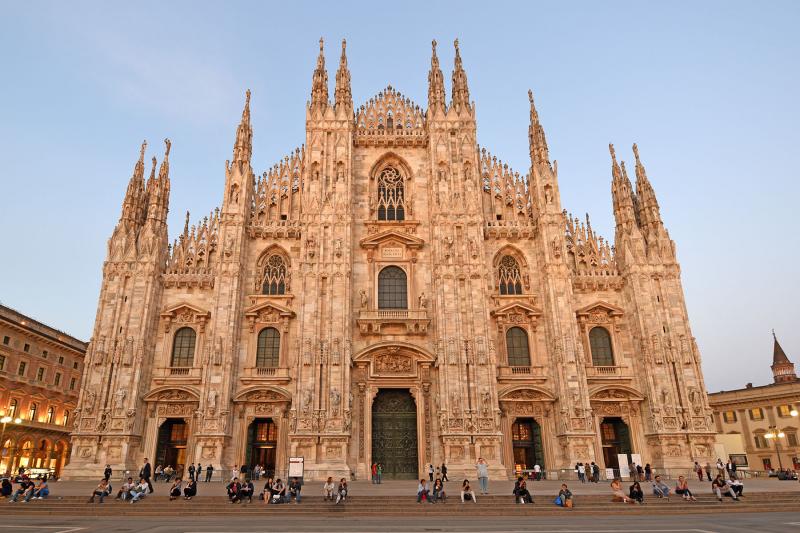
[(390, 292)]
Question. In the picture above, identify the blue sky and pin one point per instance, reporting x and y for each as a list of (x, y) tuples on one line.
[(708, 90)]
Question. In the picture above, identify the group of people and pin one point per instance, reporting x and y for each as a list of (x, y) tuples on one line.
[(587, 472), (169, 473), (275, 491), (719, 486), (28, 490)]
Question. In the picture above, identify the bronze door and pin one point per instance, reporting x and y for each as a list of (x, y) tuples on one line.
[(394, 433)]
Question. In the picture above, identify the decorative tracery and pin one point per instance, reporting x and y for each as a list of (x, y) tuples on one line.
[(391, 195), (509, 276), (274, 275)]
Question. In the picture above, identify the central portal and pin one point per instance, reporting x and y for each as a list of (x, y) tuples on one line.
[(394, 433)]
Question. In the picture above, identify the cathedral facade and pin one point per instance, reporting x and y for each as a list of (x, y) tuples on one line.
[(390, 292)]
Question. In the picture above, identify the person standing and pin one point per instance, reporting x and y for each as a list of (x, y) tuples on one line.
[(380, 473), (698, 470), (483, 475), (444, 472), (430, 472), (708, 470), (191, 473), (581, 473), (648, 472), (537, 471), (146, 472), (198, 472), (107, 472), (209, 472), (374, 473)]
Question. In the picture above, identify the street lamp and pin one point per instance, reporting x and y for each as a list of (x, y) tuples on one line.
[(777, 435)]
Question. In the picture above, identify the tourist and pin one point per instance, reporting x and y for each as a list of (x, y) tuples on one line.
[(616, 490), (158, 472), (720, 487), (139, 491), (635, 492), (736, 486), (438, 473), (708, 470), (466, 490), (537, 472), (444, 472), (581, 472), (380, 473), (483, 475), (294, 490), (278, 491), (191, 471), (168, 472), (648, 472), (438, 492), (266, 493), (660, 489), (209, 472), (698, 470), (190, 491), (107, 472), (246, 490), (328, 489), (682, 488), (102, 490), (596, 472), (639, 473), (341, 491), (564, 498), (375, 473), (633, 472), (430, 472), (732, 472), (521, 492), (233, 489), (124, 491), (25, 490), (422, 491), (720, 467), (6, 488), (41, 491), (198, 472), (234, 472), (145, 474), (175, 489)]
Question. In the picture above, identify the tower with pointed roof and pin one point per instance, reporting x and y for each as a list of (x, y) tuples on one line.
[(390, 291), (782, 367)]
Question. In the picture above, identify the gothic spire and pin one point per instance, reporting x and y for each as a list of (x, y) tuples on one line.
[(343, 94), (648, 210), (536, 138), (319, 81), (134, 197), (158, 188), (460, 97), (782, 368), (435, 82), (243, 147), (621, 193)]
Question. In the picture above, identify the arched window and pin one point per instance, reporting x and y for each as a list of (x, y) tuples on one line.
[(275, 279), (66, 417), (391, 195), (269, 348), (12, 408), (392, 288), (50, 414), (600, 342), (509, 276), (183, 347), (32, 412), (517, 347)]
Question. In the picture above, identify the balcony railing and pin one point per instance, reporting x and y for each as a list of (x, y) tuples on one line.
[(607, 371), (398, 314), (520, 372), (372, 321), (184, 374), (264, 374)]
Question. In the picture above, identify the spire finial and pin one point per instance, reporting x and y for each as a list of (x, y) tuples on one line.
[(613, 153), (321, 44), (636, 153), (435, 82), (319, 80), (168, 143), (343, 96), (141, 152), (460, 95), (186, 224)]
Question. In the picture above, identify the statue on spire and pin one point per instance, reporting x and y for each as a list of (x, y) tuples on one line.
[(460, 96), (435, 82), (319, 81), (343, 94)]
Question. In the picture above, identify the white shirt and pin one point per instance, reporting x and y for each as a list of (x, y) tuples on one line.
[(537, 468), (581, 469)]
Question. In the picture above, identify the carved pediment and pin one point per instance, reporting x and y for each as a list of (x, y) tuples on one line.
[(391, 236), (267, 313), (172, 394), (517, 308), (615, 393), (185, 314), (262, 394), (599, 312), (526, 394)]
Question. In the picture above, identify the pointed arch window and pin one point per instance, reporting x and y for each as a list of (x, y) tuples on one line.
[(517, 349), (391, 195), (392, 288), (600, 343), (268, 349), (509, 276), (183, 347), (275, 276)]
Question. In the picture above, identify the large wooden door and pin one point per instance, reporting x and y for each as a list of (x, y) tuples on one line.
[(394, 433)]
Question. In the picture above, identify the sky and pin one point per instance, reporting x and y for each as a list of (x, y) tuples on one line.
[(707, 89)]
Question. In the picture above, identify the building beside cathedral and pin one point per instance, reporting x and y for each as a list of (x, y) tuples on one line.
[(390, 292), (758, 425)]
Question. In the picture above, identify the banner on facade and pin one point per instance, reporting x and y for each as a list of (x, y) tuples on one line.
[(295, 467), (624, 466)]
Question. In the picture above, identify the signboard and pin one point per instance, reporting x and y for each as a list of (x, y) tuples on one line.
[(610, 473), (624, 467), (295, 467)]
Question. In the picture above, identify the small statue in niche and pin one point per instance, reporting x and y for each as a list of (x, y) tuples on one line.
[(364, 298), (423, 301)]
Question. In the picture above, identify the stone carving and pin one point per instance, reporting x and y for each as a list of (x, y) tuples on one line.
[(364, 298), (393, 364), (212, 401), (119, 399), (174, 395), (88, 401), (306, 401), (423, 301), (336, 400)]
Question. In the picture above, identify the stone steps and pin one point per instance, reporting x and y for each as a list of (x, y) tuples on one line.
[(374, 506)]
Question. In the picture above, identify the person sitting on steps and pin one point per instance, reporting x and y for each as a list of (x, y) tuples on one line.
[(660, 488), (328, 489), (422, 491), (175, 489), (246, 491), (635, 492), (233, 488), (564, 498), (438, 491), (616, 490), (341, 491), (521, 492), (720, 487), (294, 490), (682, 488), (102, 490), (466, 490), (278, 491), (139, 491), (190, 491)]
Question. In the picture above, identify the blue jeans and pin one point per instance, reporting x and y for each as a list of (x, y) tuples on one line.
[(484, 484), (42, 493)]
